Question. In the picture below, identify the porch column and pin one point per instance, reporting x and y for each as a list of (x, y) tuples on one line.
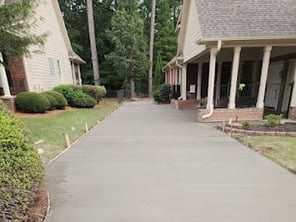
[(218, 83), (212, 69), (199, 75), (184, 82), (79, 75), (3, 79), (293, 99), (264, 72), (73, 74), (234, 74)]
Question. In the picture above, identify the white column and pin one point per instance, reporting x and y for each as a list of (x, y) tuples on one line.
[(218, 83), (293, 99), (79, 75), (74, 74), (264, 72), (184, 82), (199, 75), (3, 78), (212, 69), (234, 74)]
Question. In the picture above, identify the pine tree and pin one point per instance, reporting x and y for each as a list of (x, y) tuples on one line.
[(129, 57)]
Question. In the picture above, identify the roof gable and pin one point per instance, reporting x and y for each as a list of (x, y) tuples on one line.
[(246, 18)]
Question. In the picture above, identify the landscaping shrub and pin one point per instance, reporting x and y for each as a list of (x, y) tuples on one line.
[(96, 92), (52, 100), (21, 171), (61, 101), (162, 94), (246, 124), (30, 102), (273, 120), (67, 91), (84, 101)]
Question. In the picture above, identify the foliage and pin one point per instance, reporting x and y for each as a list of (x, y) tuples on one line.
[(246, 124), (273, 120), (76, 97), (16, 22), (52, 101), (75, 14), (162, 94), (31, 102), (82, 100), (96, 92), (158, 78), (129, 57), (61, 101), (21, 171), (68, 92)]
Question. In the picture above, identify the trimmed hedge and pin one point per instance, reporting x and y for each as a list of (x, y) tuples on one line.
[(61, 101), (52, 100), (84, 101), (96, 92), (31, 102), (21, 170), (77, 98)]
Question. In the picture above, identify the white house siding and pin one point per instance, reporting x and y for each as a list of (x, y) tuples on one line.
[(40, 74), (192, 34)]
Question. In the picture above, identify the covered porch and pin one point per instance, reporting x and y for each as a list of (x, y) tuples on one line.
[(240, 80)]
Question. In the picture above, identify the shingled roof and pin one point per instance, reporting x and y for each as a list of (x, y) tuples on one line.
[(246, 18)]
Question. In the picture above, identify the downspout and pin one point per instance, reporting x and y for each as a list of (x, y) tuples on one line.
[(219, 45), (182, 77)]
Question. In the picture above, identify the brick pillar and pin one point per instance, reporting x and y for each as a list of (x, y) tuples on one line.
[(10, 102)]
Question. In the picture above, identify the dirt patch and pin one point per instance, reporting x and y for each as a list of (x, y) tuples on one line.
[(38, 210)]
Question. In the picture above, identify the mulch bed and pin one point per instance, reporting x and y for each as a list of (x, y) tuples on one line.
[(38, 210), (286, 129)]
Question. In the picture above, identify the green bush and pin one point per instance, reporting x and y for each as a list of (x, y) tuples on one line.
[(273, 120), (21, 171), (30, 102), (52, 100), (84, 101), (246, 124), (61, 101), (96, 92), (162, 94), (67, 91)]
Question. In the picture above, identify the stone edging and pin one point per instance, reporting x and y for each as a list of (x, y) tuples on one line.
[(255, 133)]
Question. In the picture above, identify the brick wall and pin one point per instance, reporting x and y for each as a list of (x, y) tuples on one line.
[(18, 76), (185, 104), (10, 103), (235, 114), (292, 113)]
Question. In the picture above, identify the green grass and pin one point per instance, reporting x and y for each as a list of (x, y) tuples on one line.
[(281, 150), (72, 122)]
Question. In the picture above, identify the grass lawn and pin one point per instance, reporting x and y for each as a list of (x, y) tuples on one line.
[(281, 150), (51, 129)]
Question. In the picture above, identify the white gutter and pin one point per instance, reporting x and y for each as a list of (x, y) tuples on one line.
[(182, 76), (219, 45)]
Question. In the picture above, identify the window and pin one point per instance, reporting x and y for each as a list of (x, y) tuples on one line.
[(51, 66)]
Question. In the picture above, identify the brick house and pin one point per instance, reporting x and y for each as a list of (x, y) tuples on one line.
[(57, 64), (235, 59)]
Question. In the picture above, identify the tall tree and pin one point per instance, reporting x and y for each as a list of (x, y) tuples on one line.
[(93, 45), (129, 57), (16, 20), (151, 47)]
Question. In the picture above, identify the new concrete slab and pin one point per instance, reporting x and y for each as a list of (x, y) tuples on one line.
[(152, 163)]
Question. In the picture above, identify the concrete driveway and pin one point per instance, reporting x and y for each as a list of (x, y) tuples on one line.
[(152, 163)]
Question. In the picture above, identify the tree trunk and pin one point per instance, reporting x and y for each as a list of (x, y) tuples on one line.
[(150, 80), (132, 89), (93, 46)]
